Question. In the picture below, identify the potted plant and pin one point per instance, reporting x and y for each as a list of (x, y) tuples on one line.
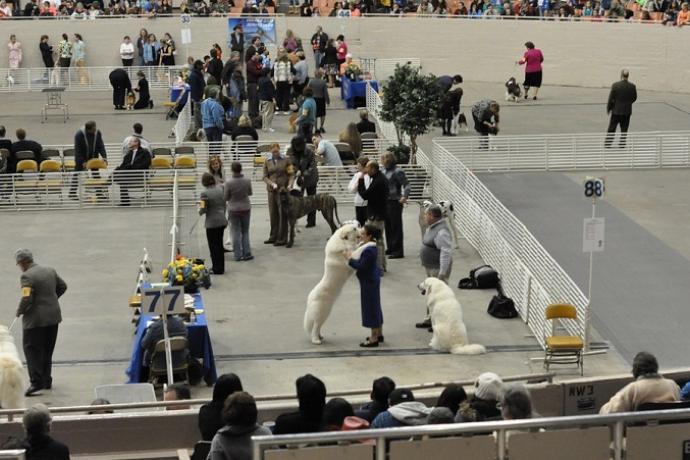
[(410, 102)]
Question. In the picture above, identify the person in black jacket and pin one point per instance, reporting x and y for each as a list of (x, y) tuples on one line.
[(621, 98), (311, 393), (215, 66), (137, 159), (237, 41), (229, 68), (267, 94), (307, 173), (211, 414), (119, 80), (376, 196), (88, 144), (196, 83), (142, 88), (46, 52), (23, 144), (252, 49), (254, 72), (4, 143), (38, 444), (380, 391)]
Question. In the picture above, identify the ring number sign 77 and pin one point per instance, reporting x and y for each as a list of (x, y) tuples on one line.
[(594, 187), (169, 300)]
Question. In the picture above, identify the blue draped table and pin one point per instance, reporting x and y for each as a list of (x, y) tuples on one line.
[(197, 336), (349, 90)]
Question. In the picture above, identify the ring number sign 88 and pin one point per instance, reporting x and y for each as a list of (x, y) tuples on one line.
[(594, 187)]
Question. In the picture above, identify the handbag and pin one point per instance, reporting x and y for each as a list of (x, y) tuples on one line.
[(501, 306), (483, 277)]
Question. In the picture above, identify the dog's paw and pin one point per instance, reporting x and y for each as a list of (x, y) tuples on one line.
[(318, 341)]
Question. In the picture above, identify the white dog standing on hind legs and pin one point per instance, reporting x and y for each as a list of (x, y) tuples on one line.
[(450, 333), (336, 272)]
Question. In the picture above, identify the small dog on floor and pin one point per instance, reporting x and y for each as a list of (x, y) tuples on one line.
[(131, 100), (11, 372), (448, 215), (513, 91), (450, 333)]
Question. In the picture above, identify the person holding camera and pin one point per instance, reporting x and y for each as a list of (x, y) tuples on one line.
[(485, 115)]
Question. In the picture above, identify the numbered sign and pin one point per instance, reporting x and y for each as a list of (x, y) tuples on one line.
[(593, 235), (186, 19), (156, 302), (594, 187)]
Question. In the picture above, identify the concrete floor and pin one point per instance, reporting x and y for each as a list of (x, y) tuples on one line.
[(255, 311)]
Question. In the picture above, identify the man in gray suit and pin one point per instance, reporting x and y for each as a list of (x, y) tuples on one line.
[(41, 289), (621, 98)]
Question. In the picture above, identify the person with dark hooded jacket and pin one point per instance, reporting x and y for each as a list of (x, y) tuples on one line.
[(211, 414), (234, 440), (381, 390), (88, 144), (307, 173), (311, 393)]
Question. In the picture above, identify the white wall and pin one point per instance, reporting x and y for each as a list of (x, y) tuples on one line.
[(576, 53)]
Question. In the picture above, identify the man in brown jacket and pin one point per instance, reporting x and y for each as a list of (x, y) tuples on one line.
[(278, 174), (41, 289)]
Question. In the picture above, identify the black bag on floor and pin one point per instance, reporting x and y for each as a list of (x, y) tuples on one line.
[(484, 277), (501, 306)]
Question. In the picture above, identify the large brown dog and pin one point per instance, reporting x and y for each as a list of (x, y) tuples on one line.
[(296, 206)]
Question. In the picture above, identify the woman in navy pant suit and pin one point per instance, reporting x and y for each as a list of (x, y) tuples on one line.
[(370, 285)]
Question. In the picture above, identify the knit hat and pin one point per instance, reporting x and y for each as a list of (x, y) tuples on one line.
[(488, 386)]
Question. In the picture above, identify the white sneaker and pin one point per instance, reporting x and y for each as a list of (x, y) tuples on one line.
[(270, 130), (286, 113)]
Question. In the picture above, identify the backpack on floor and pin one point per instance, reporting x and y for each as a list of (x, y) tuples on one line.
[(484, 277)]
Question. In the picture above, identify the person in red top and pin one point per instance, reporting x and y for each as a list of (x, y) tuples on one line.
[(532, 60), (341, 47)]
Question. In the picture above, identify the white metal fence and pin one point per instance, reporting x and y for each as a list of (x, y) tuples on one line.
[(183, 123), (571, 152), (382, 68), (80, 78)]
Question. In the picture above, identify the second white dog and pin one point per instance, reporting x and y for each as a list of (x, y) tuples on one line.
[(335, 273), (450, 334)]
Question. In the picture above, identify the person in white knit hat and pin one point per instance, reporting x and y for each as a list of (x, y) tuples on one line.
[(483, 404)]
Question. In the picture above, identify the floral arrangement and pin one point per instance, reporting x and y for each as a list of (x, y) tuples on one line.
[(185, 272), (353, 71)]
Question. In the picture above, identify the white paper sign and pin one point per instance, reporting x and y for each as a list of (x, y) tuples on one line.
[(186, 36), (170, 300), (593, 235)]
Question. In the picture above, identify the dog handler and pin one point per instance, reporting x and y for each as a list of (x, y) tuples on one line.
[(437, 251), (41, 289)]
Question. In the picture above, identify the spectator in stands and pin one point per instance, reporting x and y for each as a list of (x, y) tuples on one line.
[(144, 101), (360, 203), (532, 60), (14, 52), (138, 130), (31, 8), (306, 171), (211, 414), (452, 397), (267, 93), (4, 142), (364, 125), (330, 62), (100, 402), (311, 393), (683, 17), (119, 80), (516, 403), (398, 194), (334, 413), (318, 45), (621, 98), (244, 128), (485, 115), (237, 191), (440, 415), (380, 392), (212, 117), (483, 404), (425, 7), (305, 10), (403, 411), (215, 65), (154, 334), (234, 440), (131, 172), (212, 204), (350, 135), (326, 152), (23, 145), (88, 144), (320, 90), (177, 392), (649, 386), (127, 51), (376, 195), (307, 114), (38, 443)]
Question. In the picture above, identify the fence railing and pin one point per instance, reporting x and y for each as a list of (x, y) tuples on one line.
[(183, 123), (571, 152), (81, 78), (382, 68)]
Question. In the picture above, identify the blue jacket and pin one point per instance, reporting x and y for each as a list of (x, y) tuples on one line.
[(307, 113), (212, 114)]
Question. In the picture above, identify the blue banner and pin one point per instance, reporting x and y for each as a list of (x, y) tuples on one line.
[(264, 28)]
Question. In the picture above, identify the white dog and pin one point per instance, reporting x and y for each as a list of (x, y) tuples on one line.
[(11, 373), (450, 334), (448, 213), (336, 272)]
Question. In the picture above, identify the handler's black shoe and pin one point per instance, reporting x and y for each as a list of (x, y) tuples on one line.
[(32, 391), (426, 324)]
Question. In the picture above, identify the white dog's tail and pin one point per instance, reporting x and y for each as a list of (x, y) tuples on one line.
[(470, 349)]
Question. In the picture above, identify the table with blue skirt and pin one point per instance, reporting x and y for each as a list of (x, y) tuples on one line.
[(349, 90), (198, 339)]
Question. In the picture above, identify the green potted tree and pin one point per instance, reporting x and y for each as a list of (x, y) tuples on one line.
[(410, 102)]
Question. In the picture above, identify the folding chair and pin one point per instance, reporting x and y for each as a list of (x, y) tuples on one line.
[(562, 349)]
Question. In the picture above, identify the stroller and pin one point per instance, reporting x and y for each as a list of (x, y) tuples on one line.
[(179, 104)]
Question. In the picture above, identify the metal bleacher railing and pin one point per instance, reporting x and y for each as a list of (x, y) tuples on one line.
[(154, 187), (571, 152), (80, 78), (530, 276)]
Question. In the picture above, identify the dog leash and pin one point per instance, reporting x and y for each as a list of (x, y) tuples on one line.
[(12, 325)]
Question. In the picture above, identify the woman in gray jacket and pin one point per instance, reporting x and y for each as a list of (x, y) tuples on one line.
[(238, 189), (213, 205), (234, 440)]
